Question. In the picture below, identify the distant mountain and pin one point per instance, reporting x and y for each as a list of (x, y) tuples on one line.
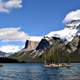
[(3, 54)]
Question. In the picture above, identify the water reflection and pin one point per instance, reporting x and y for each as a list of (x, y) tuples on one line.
[(38, 72)]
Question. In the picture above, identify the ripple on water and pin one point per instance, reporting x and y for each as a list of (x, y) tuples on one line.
[(38, 72)]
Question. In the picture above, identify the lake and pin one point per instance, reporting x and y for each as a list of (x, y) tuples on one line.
[(30, 71)]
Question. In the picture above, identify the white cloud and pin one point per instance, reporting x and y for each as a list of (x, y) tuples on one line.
[(12, 34), (73, 15), (7, 6), (10, 48)]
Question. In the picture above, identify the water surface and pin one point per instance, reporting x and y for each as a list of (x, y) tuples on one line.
[(38, 72)]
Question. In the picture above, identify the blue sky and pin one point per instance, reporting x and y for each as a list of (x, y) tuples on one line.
[(37, 17)]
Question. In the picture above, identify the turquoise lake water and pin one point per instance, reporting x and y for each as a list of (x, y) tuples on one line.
[(38, 72)]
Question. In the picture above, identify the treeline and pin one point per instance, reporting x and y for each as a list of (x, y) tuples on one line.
[(8, 60)]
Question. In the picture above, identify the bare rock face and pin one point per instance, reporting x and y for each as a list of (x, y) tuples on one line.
[(30, 45), (77, 51), (72, 46)]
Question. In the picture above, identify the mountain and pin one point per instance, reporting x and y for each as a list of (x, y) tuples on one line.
[(72, 48), (68, 39), (3, 54)]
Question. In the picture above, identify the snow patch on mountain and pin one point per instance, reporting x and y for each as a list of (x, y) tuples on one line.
[(67, 34), (72, 15)]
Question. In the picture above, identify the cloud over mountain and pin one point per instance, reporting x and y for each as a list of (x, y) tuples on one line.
[(8, 5), (12, 34), (73, 15)]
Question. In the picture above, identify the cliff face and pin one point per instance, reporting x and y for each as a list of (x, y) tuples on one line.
[(30, 45), (72, 46), (77, 51)]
